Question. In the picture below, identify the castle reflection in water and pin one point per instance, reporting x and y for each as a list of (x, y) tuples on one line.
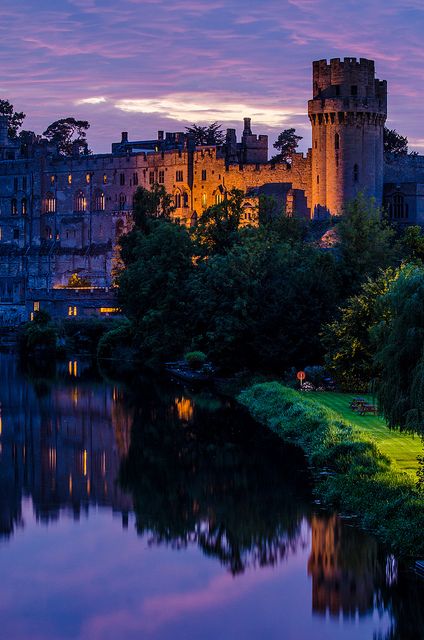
[(191, 472), (61, 444)]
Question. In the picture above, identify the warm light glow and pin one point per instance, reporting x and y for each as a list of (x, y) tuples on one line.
[(70, 484), (75, 368), (185, 408), (110, 310), (84, 462)]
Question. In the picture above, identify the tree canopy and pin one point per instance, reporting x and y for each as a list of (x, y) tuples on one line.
[(210, 134), (66, 132), (394, 143), (286, 144), (15, 118)]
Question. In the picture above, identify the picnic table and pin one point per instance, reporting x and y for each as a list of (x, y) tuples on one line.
[(362, 406)]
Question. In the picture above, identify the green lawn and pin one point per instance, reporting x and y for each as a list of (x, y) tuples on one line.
[(402, 449)]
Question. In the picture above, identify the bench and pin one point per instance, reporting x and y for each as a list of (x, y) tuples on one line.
[(367, 408)]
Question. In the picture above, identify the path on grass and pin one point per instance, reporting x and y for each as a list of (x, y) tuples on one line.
[(402, 449)]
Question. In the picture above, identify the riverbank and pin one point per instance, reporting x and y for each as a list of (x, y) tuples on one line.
[(351, 471)]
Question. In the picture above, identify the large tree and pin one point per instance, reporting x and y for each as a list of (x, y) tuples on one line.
[(286, 144), (211, 134), (347, 341), (15, 117), (218, 226), (394, 143), (67, 131), (399, 345), (367, 242)]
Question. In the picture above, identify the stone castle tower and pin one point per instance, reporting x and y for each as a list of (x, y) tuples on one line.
[(347, 114)]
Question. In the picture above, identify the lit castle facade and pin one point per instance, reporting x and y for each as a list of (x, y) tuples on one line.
[(63, 215)]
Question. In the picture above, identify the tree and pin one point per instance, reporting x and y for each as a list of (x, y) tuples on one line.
[(153, 289), (367, 242), (218, 227), (347, 341), (152, 205), (286, 143), (67, 131), (412, 243), (75, 281), (394, 143), (399, 356), (15, 117), (211, 134)]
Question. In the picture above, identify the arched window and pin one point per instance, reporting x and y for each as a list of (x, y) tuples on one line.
[(14, 207), (48, 233), (185, 199), (400, 209), (50, 203), (80, 204), (204, 200), (24, 206), (177, 200), (122, 201), (218, 198), (337, 142), (99, 201), (355, 173)]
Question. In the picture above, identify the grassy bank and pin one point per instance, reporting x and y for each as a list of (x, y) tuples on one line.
[(402, 449), (352, 473)]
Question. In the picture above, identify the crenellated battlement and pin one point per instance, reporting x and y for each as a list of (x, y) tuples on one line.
[(347, 77)]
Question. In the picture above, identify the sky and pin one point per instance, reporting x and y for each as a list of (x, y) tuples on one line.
[(144, 65)]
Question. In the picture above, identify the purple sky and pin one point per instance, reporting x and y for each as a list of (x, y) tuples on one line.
[(143, 65)]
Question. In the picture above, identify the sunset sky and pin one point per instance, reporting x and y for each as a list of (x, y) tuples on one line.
[(143, 65)]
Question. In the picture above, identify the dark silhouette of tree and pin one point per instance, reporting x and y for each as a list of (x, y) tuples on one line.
[(15, 117), (286, 144), (394, 143), (211, 134), (66, 132)]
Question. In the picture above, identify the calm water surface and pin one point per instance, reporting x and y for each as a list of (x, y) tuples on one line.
[(139, 509)]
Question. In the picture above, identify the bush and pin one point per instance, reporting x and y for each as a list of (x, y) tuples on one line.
[(113, 342), (195, 359), (38, 335)]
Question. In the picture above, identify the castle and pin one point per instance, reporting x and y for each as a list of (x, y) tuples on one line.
[(63, 215)]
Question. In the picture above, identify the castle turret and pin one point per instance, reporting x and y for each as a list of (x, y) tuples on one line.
[(347, 114)]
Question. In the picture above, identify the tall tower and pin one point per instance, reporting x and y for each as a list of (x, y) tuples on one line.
[(347, 113)]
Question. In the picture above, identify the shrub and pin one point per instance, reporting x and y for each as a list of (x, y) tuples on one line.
[(195, 359), (114, 341)]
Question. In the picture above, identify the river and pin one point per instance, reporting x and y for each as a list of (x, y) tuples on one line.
[(136, 508)]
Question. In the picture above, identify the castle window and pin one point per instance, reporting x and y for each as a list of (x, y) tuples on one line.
[(15, 184), (122, 200), (151, 177), (400, 210), (88, 178), (218, 198), (99, 201), (161, 177), (80, 203), (135, 178), (204, 199), (24, 206), (185, 199), (16, 234), (203, 174), (36, 306), (69, 178), (122, 179), (354, 90), (177, 200), (72, 311), (50, 203), (337, 142), (52, 179), (104, 178), (179, 176), (316, 144), (317, 179), (14, 207), (24, 183), (48, 233), (355, 173)]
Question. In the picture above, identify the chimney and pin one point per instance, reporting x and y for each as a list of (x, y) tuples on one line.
[(124, 137), (160, 135), (247, 130)]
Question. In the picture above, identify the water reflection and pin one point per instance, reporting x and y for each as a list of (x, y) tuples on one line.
[(199, 476)]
